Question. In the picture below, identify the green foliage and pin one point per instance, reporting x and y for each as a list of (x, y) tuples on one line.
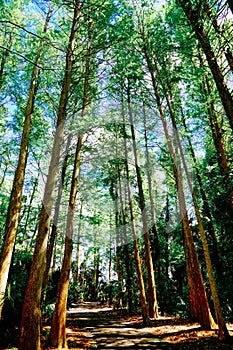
[(117, 64), (14, 297), (16, 287), (76, 293)]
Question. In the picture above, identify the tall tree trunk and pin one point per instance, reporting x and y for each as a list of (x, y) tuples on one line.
[(167, 219), (4, 56), (110, 250), (3, 174), (223, 332), (214, 122), (31, 315), (229, 58), (96, 268), (58, 328), (76, 270), (199, 306), (152, 298), (220, 33), (54, 257), (198, 27), (126, 250), (53, 235), (118, 244), (153, 229), (145, 313), (13, 212), (207, 211), (218, 140), (35, 184)]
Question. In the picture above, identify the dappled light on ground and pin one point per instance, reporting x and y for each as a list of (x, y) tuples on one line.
[(91, 326)]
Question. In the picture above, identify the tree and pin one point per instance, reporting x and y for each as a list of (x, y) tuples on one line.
[(145, 313), (199, 307), (223, 332), (56, 213), (58, 328), (196, 22), (4, 56), (149, 67), (153, 307), (207, 211), (31, 316), (17, 188), (125, 246), (153, 229)]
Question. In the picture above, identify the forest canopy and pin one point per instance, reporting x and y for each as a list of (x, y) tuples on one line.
[(115, 161)]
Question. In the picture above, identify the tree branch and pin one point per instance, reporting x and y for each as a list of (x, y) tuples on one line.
[(25, 58)]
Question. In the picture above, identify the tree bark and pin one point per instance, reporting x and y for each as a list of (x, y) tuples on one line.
[(53, 235), (4, 173), (207, 211), (4, 59), (58, 328), (126, 250), (76, 269), (218, 140), (13, 212), (31, 315), (153, 229), (202, 36), (96, 269), (110, 250), (199, 306), (219, 33), (223, 331), (145, 313), (35, 184), (152, 298), (118, 243), (167, 219)]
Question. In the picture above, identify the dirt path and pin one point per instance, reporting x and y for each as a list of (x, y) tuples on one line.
[(105, 331)]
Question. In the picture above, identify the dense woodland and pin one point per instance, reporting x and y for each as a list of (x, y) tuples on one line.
[(115, 161)]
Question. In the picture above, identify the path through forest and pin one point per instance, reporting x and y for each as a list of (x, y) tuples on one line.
[(105, 330), (92, 326)]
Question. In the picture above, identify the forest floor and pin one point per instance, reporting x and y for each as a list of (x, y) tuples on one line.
[(91, 326)]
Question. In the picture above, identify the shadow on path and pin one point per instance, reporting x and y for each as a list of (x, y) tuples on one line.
[(109, 332)]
